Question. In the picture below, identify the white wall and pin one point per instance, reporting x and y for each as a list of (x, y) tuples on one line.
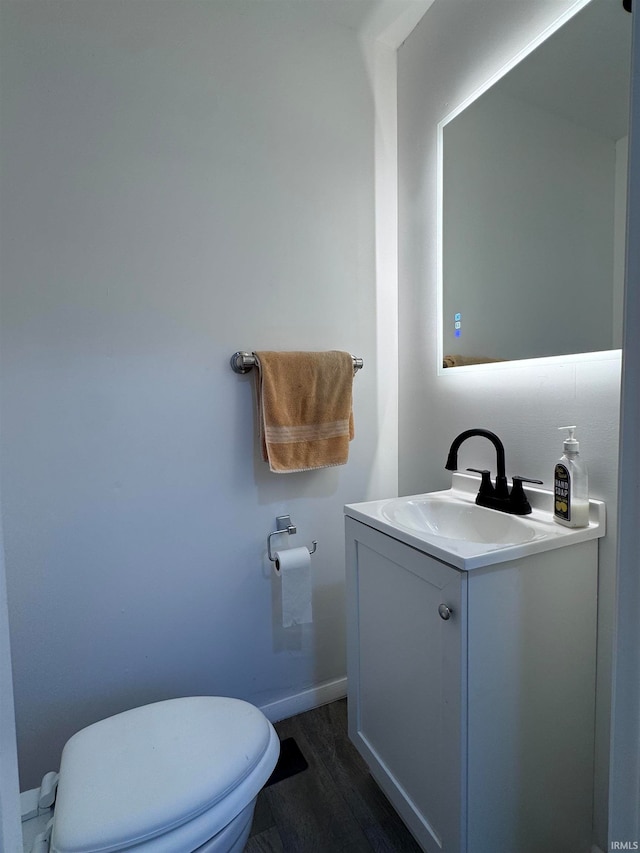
[(180, 180), (455, 48)]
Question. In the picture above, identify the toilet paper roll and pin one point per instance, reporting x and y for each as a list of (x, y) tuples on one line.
[(293, 566)]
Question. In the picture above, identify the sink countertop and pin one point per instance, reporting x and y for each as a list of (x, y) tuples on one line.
[(473, 555)]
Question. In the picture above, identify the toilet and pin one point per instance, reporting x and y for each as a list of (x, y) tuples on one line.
[(177, 776)]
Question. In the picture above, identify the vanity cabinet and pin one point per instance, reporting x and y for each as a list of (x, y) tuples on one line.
[(472, 693)]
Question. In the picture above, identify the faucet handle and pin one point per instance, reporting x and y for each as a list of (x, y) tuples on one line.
[(486, 486), (519, 501), (520, 480)]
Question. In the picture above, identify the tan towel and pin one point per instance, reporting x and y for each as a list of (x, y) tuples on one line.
[(304, 409), (461, 360)]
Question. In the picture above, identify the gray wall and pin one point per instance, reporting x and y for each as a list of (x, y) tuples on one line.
[(180, 180), (456, 47)]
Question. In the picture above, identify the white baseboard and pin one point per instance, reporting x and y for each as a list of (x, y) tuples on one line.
[(321, 694)]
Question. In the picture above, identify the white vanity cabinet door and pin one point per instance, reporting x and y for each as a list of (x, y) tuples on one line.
[(405, 667)]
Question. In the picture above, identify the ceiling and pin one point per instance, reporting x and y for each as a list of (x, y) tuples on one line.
[(389, 21)]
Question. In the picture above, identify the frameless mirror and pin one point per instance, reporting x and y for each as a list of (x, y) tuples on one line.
[(533, 199)]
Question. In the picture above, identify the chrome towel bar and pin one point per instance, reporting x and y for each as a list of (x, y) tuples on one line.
[(243, 362)]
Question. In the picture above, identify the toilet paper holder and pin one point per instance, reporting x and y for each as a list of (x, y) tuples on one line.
[(283, 525)]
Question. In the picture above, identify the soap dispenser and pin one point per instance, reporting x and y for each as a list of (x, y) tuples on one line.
[(570, 485)]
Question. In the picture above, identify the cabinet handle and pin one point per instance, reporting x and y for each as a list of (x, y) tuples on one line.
[(445, 612)]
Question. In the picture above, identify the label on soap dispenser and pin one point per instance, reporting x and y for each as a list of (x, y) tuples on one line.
[(561, 493)]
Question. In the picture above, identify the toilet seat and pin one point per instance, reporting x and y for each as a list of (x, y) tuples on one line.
[(164, 777)]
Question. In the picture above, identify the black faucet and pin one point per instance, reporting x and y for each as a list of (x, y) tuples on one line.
[(493, 496)]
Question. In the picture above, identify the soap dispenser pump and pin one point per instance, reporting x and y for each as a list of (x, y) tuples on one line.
[(570, 485)]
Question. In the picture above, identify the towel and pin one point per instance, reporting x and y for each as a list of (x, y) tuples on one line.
[(460, 360), (304, 409)]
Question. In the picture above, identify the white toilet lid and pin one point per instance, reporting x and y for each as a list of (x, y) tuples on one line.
[(144, 772)]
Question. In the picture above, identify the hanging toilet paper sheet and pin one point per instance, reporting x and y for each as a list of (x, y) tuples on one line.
[(293, 566)]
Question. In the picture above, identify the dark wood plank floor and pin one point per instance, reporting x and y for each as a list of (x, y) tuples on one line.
[(333, 806)]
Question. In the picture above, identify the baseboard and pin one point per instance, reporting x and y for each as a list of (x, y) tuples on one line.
[(321, 694)]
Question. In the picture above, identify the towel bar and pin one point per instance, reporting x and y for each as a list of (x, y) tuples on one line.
[(242, 362)]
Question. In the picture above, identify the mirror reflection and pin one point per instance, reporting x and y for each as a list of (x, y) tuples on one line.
[(534, 200)]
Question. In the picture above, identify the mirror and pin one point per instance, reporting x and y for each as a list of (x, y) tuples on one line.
[(533, 199)]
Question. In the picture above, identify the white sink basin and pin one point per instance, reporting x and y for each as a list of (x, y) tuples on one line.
[(455, 519), (450, 526)]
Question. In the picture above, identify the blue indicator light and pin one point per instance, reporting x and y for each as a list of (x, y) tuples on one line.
[(457, 333), (457, 317)]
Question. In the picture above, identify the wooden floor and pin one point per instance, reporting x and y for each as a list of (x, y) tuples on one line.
[(333, 806)]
